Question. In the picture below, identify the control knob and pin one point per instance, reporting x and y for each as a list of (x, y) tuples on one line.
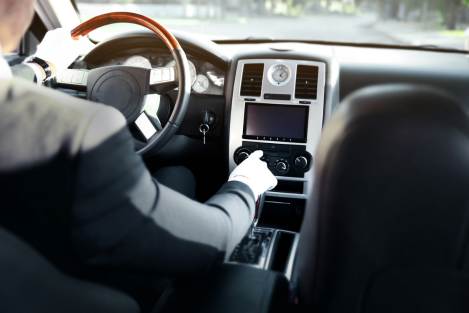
[(301, 162), (241, 155), (282, 167)]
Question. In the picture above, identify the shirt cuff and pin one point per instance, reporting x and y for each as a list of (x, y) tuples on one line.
[(247, 182)]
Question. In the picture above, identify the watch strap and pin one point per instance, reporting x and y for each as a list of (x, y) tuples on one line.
[(42, 63)]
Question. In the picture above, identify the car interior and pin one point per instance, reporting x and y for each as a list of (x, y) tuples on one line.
[(367, 141)]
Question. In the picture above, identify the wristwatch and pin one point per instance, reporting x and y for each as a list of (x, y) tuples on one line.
[(43, 64)]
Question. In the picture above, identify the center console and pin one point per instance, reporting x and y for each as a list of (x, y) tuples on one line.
[(278, 107)]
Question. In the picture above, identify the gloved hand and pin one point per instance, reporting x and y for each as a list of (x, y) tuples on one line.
[(254, 173), (59, 49)]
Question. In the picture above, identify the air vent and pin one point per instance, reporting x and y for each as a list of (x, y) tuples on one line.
[(306, 82), (251, 84)]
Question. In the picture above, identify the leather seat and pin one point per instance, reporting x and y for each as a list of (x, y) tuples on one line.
[(29, 283), (388, 230)]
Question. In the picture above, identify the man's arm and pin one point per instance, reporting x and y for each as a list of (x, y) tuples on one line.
[(124, 219)]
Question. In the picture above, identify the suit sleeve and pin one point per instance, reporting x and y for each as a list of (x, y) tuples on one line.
[(125, 219)]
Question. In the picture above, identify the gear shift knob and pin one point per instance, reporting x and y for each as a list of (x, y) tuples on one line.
[(257, 214)]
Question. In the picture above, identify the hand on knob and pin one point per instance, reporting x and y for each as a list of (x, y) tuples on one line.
[(254, 173)]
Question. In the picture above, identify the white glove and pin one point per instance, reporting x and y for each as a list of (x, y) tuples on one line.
[(59, 49), (254, 173)]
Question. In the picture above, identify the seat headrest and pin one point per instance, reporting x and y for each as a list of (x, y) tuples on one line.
[(393, 106)]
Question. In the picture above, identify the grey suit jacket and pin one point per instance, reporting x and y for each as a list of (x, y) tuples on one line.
[(73, 187), (23, 71)]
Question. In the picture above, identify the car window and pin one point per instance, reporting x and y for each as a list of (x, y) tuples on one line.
[(440, 23)]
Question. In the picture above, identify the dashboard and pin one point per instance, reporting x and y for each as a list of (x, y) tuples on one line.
[(206, 78), (144, 49), (215, 67), (249, 119)]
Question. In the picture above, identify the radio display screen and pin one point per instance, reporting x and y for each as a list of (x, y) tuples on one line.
[(275, 122)]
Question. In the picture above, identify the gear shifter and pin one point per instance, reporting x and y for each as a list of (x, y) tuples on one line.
[(257, 215), (253, 249)]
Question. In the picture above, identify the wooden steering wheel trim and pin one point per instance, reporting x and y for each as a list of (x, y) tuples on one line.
[(126, 17)]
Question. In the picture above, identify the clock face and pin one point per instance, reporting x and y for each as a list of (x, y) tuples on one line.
[(279, 74), (201, 84)]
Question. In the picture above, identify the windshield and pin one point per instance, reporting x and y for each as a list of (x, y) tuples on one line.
[(440, 23)]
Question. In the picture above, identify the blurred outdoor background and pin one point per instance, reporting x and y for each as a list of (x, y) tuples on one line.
[(403, 22)]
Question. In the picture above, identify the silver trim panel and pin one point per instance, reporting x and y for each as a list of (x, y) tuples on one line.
[(315, 119), (292, 256)]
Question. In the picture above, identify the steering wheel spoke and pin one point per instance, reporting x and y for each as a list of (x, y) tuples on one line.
[(163, 79), (72, 79)]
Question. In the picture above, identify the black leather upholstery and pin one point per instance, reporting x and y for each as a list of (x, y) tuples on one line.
[(390, 219), (28, 283)]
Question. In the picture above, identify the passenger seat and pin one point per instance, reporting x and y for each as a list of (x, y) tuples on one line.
[(388, 230)]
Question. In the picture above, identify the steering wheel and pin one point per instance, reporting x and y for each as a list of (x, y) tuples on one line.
[(125, 88)]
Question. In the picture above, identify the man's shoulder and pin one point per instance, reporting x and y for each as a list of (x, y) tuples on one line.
[(38, 122), (17, 89)]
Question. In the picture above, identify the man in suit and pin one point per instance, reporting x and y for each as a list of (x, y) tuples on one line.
[(73, 187)]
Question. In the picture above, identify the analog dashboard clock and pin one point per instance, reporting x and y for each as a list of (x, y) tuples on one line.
[(201, 84), (279, 74)]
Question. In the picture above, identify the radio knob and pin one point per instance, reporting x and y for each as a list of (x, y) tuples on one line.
[(301, 162), (281, 167), (241, 155)]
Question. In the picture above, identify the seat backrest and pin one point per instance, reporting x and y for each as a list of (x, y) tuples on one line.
[(388, 228), (29, 283)]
